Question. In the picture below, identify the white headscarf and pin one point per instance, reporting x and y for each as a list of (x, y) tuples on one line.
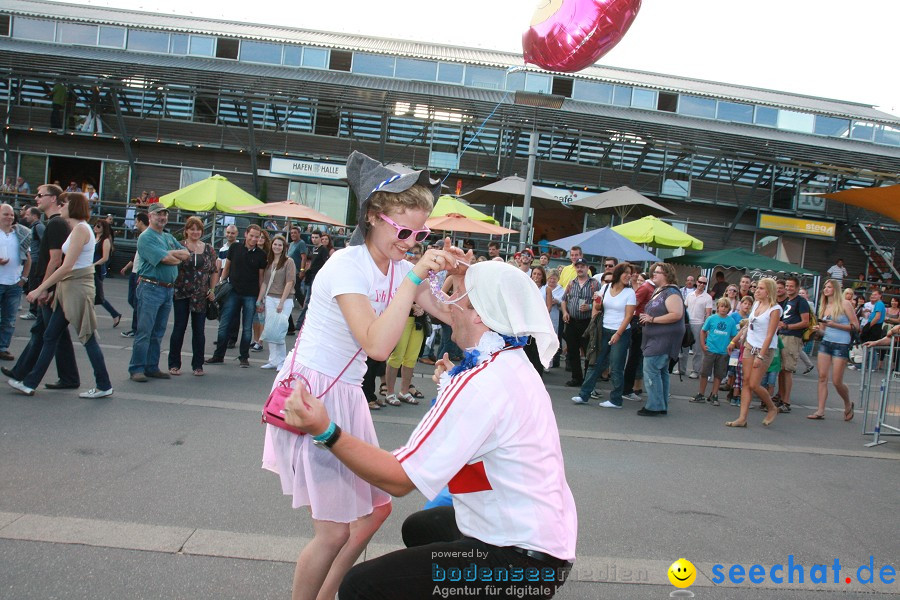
[(509, 302)]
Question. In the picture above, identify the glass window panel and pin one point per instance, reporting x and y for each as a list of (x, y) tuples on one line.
[(148, 41), (293, 56), (76, 33), (792, 120), (887, 134), (643, 99), (333, 201), (114, 187), (695, 106), (424, 70), (316, 58), (34, 169), (191, 176), (592, 91), (537, 83), (373, 64), (482, 77), (178, 44), (832, 126), (735, 111), (112, 37), (766, 115), (261, 52), (202, 46), (450, 73), (862, 130), (515, 81), (41, 30), (622, 95)]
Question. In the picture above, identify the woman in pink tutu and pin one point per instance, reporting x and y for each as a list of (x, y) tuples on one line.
[(359, 305)]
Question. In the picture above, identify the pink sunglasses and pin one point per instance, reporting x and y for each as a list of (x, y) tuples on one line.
[(419, 235)]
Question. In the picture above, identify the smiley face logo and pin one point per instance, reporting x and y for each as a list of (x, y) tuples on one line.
[(682, 573)]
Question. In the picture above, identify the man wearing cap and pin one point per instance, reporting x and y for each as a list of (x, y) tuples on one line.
[(492, 438), (576, 311), (160, 257), (524, 260)]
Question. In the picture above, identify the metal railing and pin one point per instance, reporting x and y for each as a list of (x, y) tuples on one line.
[(880, 392)]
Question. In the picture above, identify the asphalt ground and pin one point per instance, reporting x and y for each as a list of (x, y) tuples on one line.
[(157, 492)]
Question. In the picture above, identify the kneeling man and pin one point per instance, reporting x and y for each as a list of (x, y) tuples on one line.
[(492, 438)]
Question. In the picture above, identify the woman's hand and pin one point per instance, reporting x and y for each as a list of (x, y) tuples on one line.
[(417, 310), (211, 295), (280, 307), (644, 318), (306, 412), (614, 338), (260, 307), (442, 365), (33, 296)]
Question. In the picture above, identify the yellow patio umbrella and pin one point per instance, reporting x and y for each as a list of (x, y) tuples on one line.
[(448, 205), (214, 193), (657, 233)]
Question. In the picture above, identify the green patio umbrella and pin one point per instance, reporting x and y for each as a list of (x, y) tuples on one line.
[(657, 233), (448, 205), (213, 193)]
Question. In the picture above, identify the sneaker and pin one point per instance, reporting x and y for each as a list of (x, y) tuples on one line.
[(595, 395), (95, 393), (675, 371), (633, 397), (809, 369), (29, 316), (256, 347), (244, 363), (784, 408), (215, 360), (714, 400), (690, 352), (579, 400), (129, 333), (139, 377), (608, 404), (15, 383), (693, 375), (735, 402), (269, 366), (698, 399)]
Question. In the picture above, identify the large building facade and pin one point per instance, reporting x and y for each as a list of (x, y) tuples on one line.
[(154, 102)]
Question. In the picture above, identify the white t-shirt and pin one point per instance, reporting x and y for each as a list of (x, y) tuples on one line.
[(614, 307), (492, 437), (86, 253), (326, 343), (697, 305), (558, 292), (9, 249), (759, 326), (836, 272)]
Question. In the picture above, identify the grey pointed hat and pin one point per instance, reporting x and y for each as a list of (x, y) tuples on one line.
[(367, 176)]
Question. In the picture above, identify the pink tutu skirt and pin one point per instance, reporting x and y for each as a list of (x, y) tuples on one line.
[(312, 475)]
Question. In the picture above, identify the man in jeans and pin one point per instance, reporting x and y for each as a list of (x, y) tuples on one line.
[(576, 310), (244, 268), (160, 257), (141, 223), (15, 262), (794, 321)]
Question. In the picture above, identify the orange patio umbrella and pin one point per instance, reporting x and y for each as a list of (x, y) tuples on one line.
[(461, 224), (292, 210)]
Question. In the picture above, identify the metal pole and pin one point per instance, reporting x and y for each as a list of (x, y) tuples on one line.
[(529, 182)]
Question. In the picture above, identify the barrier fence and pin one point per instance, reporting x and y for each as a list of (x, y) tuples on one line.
[(880, 392)]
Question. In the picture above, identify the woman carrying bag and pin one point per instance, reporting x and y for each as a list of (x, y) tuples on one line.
[(276, 300)]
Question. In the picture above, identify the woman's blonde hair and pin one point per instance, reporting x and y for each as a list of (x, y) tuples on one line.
[(769, 284), (834, 307), (388, 203)]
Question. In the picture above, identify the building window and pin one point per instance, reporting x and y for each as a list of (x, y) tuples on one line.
[(41, 30), (450, 73), (791, 120), (592, 91), (227, 48), (178, 44), (832, 126), (642, 98), (191, 176), (332, 200), (148, 41), (114, 181), (887, 134), (112, 37), (667, 102), (695, 106), (293, 56), (33, 168), (261, 52), (340, 60), (4, 25), (316, 58), (422, 70), (482, 77), (373, 64), (622, 95), (202, 45), (862, 131), (735, 112), (766, 115), (76, 33)]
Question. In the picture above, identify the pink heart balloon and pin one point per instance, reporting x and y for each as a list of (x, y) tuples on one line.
[(569, 35)]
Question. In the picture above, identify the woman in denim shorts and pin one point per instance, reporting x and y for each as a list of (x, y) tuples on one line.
[(837, 318)]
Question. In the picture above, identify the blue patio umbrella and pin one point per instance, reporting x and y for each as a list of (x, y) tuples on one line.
[(606, 242)]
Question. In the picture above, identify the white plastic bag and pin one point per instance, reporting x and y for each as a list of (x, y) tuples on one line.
[(275, 328)]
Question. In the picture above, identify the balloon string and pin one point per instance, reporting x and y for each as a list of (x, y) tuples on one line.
[(474, 137)]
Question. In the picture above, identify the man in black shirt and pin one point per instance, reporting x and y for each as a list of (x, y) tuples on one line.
[(49, 259), (794, 321), (244, 268)]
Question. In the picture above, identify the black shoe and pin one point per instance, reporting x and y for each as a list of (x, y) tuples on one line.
[(244, 363), (59, 385), (215, 360), (784, 408), (651, 413), (8, 373), (573, 383)]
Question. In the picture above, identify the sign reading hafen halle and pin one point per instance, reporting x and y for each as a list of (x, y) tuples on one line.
[(793, 225), (307, 168)]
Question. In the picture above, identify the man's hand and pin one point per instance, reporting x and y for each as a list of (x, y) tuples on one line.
[(181, 255), (4, 261), (443, 365), (463, 259), (306, 412)]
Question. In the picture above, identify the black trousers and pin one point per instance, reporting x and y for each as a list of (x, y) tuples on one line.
[(443, 562), (575, 328), (635, 358)]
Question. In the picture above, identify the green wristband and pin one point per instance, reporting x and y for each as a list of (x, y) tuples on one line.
[(411, 275)]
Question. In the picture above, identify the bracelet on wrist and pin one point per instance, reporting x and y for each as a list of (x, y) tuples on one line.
[(327, 433), (411, 275)]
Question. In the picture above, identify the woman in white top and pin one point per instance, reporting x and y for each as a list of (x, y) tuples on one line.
[(617, 301), (358, 307), (759, 349), (553, 295), (73, 300), (276, 294)]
